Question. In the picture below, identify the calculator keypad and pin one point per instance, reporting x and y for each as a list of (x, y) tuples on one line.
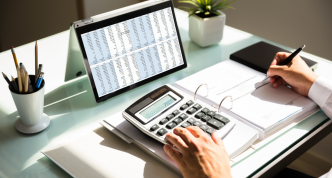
[(205, 119)]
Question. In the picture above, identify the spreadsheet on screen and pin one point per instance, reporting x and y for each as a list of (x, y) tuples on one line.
[(122, 54)]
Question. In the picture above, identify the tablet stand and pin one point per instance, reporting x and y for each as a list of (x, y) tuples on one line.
[(75, 66)]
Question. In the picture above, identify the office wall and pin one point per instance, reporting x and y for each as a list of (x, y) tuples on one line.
[(288, 22), (94, 7), (22, 22), (25, 21)]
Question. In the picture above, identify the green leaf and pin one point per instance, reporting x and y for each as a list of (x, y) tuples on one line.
[(213, 2), (191, 2), (190, 14), (215, 12)]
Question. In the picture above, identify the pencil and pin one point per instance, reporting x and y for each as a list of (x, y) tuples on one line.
[(7, 80), (22, 78), (14, 55), (26, 83), (25, 71), (14, 83), (36, 61), (19, 79)]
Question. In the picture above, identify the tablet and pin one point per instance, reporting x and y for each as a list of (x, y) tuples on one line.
[(129, 47)]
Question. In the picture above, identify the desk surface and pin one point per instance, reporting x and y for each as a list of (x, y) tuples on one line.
[(72, 109)]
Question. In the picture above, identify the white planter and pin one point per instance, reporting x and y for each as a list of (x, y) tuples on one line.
[(206, 31)]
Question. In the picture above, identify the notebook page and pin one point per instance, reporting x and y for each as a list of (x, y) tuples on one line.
[(223, 79), (267, 105)]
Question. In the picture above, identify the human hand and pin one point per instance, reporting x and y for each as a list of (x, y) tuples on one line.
[(296, 73), (201, 156)]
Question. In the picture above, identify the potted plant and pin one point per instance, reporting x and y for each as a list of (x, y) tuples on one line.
[(206, 21)]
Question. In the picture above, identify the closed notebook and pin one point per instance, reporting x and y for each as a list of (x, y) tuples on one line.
[(259, 56)]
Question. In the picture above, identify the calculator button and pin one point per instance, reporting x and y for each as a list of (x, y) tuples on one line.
[(221, 118), (163, 121), (210, 130), (177, 121), (211, 113), (185, 125), (154, 127), (176, 112), (171, 125), (162, 132), (183, 107), (196, 123), (183, 116), (191, 121), (205, 110), (189, 103), (197, 106), (191, 111), (199, 115), (203, 127), (217, 116), (225, 120), (215, 124), (169, 117), (205, 118)]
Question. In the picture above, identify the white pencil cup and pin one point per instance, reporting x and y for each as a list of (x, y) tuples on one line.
[(30, 109)]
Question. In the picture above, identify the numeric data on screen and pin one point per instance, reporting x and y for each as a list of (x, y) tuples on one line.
[(125, 53)]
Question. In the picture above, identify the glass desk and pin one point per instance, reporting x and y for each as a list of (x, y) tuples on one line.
[(72, 109)]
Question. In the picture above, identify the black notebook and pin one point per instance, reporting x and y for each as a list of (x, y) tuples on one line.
[(260, 55)]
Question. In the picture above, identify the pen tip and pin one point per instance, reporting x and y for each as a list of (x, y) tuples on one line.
[(12, 47), (3, 74), (303, 46)]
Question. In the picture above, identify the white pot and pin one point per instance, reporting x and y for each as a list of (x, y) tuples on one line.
[(206, 31)]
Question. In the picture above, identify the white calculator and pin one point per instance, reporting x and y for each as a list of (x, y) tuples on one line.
[(166, 108)]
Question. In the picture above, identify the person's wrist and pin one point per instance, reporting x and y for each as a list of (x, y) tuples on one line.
[(311, 80)]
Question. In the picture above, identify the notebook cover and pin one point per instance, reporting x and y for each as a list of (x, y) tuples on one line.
[(260, 55)]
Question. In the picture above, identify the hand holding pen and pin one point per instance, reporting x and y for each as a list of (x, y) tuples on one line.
[(297, 74)]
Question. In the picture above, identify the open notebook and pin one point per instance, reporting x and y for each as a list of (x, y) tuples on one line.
[(248, 99)]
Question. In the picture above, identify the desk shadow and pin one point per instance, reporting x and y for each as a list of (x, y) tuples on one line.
[(70, 91), (153, 168)]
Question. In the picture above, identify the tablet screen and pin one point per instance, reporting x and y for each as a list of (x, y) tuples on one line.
[(125, 53)]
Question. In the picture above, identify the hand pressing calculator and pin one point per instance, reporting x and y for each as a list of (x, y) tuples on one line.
[(166, 108)]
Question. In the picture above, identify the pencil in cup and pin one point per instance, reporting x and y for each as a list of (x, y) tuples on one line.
[(32, 78), (30, 105), (14, 83), (19, 80)]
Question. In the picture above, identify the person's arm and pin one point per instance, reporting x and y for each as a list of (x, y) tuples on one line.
[(201, 155), (321, 93), (303, 80)]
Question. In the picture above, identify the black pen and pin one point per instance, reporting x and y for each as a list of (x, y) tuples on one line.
[(289, 58), (8, 81)]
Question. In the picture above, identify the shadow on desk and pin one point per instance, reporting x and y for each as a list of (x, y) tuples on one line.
[(153, 168), (69, 93)]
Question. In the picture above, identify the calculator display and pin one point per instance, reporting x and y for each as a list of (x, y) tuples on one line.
[(157, 107)]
